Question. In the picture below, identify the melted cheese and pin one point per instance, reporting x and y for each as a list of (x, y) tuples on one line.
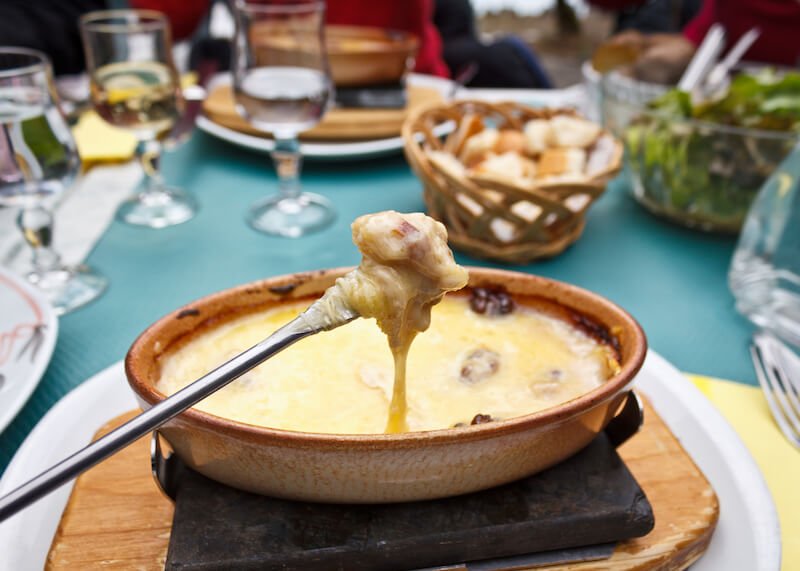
[(406, 268), (341, 381)]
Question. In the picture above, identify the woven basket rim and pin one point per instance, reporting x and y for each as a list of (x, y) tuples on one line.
[(493, 218)]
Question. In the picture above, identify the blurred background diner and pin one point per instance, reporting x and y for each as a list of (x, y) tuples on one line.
[(154, 152)]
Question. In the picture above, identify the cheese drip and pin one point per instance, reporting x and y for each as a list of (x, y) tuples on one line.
[(406, 268)]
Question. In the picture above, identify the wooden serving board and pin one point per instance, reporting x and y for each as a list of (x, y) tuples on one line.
[(117, 518), (337, 125)]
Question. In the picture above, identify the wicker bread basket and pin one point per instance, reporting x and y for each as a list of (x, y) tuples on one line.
[(495, 218)]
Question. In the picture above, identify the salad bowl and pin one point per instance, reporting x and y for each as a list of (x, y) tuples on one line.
[(701, 163)]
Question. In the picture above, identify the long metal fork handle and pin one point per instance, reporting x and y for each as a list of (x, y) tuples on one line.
[(154, 417)]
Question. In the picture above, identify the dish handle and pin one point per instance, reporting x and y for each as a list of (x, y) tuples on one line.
[(165, 465), (627, 422)]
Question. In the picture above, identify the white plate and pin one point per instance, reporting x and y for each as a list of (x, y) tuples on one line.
[(321, 149), (747, 536), (28, 331), (336, 150), (310, 150)]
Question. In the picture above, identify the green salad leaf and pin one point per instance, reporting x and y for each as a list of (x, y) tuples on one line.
[(688, 167), (762, 100)]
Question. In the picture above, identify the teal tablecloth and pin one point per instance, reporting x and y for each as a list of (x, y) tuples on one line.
[(671, 279)]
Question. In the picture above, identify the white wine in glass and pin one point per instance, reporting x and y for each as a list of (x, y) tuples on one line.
[(38, 163), (282, 86), (138, 96), (134, 85)]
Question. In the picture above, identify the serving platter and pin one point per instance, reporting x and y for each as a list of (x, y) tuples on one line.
[(328, 149), (592, 494), (363, 149), (747, 535), (340, 124), (28, 331), (319, 150)]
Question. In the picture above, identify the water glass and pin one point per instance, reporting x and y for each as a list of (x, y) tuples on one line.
[(134, 85), (765, 272), (38, 163), (282, 86)]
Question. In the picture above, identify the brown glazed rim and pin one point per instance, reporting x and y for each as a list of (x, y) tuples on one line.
[(287, 438), (384, 41)]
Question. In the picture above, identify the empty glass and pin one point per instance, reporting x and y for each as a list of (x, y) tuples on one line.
[(38, 162), (282, 86), (765, 272), (134, 85)]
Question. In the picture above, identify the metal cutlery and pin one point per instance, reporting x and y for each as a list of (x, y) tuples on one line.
[(463, 76), (320, 316), (721, 70), (704, 58), (778, 372), (33, 344)]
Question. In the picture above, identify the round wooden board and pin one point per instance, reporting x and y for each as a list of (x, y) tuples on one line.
[(117, 518), (337, 125)]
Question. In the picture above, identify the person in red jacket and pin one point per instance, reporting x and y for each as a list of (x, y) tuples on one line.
[(414, 16), (507, 62), (778, 20), (666, 55), (183, 15)]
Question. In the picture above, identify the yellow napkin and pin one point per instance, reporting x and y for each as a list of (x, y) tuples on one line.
[(746, 409), (100, 142)]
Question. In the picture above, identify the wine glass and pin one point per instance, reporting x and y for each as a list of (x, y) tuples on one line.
[(282, 86), (134, 85), (38, 162)]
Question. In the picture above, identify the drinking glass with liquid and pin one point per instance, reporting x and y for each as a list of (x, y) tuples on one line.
[(765, 272), (282, 86), (134, 85), (38, 163)]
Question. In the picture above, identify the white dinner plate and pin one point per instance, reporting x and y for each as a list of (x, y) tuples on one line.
[(352, 150), (747, 536), (322, 150), (28, 331)]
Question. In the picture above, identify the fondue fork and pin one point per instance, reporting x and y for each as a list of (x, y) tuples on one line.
[(323, 315)]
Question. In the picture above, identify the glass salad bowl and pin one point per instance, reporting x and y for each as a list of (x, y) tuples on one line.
[(702, 164)]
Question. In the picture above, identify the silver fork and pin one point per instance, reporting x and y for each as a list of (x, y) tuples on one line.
[(328, 312), (778, 372)]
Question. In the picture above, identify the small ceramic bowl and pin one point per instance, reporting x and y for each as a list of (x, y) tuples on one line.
[(368, 56), (383, 468), (357, 55)]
